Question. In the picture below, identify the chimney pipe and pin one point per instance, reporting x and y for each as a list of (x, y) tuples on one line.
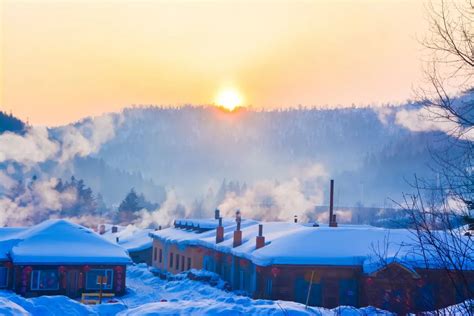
[(217, 214), (296, 218), (260, 240), (332, 217), (117, 239), (219, 232)]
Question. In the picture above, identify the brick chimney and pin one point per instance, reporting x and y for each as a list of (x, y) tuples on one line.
[(260, 242), (102, 229), (220, 232), (237, 232), (332, 216)]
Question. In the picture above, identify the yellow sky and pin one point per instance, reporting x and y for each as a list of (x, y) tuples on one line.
[(62, 60)]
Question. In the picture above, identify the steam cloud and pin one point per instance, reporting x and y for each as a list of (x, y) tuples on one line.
[(21, 153), (267, 200)]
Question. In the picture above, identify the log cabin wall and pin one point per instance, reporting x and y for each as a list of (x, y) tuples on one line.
[(68, 280)]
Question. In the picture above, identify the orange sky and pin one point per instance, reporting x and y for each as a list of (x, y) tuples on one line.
[(62, 60)]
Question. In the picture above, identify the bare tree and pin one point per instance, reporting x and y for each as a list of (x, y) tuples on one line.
[(440, 210)]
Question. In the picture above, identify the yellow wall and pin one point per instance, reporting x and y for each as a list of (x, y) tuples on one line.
[(186, 252)]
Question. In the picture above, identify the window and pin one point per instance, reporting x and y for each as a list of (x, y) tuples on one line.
[(161, 255), (3, 277), (171, 260), (44, 280), (154, 254), (177, 261), (91, 279), (182, 263), (189, 263)]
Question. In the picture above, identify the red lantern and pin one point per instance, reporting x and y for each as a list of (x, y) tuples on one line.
[(28, 269), (229, 259), (275, 272), (62, 269), (118, 269), (369, 281), (259, 269), (86, 268), (244, 263), (8, 264)]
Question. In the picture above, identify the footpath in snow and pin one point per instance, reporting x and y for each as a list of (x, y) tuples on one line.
[(149, 295)]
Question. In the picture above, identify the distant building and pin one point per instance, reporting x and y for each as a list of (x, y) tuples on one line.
[(135, 241), (58, 257), (324, 266)]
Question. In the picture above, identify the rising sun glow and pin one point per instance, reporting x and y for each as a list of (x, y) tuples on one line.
[(229, 99)]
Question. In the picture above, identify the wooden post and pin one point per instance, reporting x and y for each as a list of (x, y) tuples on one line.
[(101, 279), (309, 289), (100, 290)]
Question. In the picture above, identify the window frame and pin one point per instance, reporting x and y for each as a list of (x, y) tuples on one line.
[(105, 286), (37, 288)]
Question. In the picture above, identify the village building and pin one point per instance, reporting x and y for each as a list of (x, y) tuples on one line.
[(327, 265), (135, 241), (57, 257)]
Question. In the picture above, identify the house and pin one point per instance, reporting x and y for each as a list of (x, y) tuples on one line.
[(58, 257), (286, 261), (135, 241), (174, 249)]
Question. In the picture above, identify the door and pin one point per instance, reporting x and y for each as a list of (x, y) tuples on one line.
[(348, 292), (72, 283)]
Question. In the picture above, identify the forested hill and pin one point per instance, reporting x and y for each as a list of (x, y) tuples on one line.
[(10, 123), (191, 148)]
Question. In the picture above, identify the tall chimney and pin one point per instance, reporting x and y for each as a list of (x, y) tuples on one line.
[(332, 216), (237, 232), (217, 214), (260, 242), (220, 232), (296, 218)]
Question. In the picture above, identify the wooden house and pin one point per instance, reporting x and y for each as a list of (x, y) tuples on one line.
[(325, 266), (58, 257)]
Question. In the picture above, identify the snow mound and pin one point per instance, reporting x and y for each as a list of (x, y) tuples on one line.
[(9, 308)]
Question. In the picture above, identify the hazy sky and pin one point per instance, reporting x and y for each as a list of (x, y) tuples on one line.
[(62, 60)]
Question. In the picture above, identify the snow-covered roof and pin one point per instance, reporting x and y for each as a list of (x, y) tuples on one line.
[(59, 241), (8, 238), (299, 244), (130, 237)]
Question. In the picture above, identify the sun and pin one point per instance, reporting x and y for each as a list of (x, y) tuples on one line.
[(229, 99)]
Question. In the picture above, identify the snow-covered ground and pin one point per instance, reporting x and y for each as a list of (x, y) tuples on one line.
[(149, 295)]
